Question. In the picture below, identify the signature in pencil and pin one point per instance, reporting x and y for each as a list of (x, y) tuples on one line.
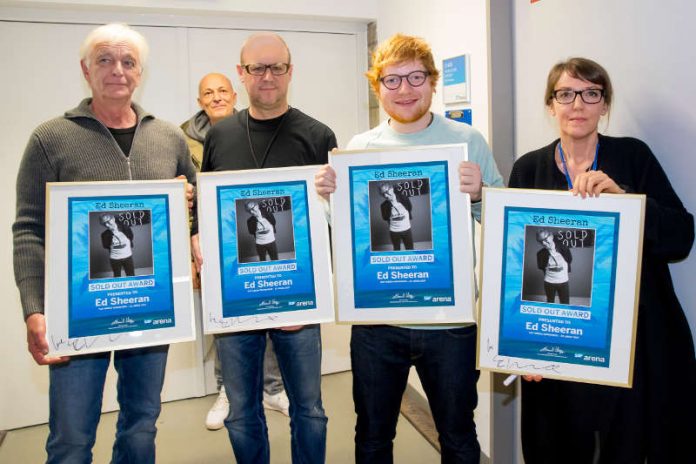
[(504, 362), (224, 322)]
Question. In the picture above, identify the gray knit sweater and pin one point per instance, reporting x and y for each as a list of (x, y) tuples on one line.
[(78, 148)]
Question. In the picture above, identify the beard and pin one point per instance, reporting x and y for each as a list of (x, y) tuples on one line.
[(268, 102), (411, 118)]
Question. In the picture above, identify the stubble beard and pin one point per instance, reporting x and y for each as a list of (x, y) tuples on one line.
[(266, 105), (408, 120)]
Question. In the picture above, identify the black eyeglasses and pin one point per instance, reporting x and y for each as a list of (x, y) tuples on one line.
[(259, 69), (414, 78), (589, 96)]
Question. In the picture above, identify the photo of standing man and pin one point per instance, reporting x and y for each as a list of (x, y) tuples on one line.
[(396, 210), (118, 239), (554, 260), (262, 225)]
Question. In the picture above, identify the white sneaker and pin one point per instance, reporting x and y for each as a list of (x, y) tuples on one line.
[(278, 402), (215, 419)]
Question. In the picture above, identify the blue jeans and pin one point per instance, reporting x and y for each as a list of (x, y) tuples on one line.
[(381, 357), (299, 358), (75, 398), (272, 381)]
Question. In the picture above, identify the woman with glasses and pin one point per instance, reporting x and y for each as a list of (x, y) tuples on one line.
[(572, 422)]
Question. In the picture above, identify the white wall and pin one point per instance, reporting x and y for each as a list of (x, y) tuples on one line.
[(648, 50), (451, 27), (42, 79), (361, 10)]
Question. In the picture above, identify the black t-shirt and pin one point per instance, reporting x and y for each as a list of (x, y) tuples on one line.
[(300, 140), (124, 138), (262, 133)]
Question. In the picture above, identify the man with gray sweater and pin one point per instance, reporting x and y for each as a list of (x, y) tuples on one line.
[(107, 137)]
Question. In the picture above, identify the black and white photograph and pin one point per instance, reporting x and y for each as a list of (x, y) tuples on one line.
[(120, 244), (118, 263), (265, 229), (558, 265), (292, 288), (411, 254), (584, 332), (400, 215)]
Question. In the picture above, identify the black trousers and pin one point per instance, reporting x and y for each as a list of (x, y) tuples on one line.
[(398, 237), (562, 290), (126, 264), (268, 249), (574, 423)]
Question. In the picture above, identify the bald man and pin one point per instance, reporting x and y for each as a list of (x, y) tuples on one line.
[(270, 134), (216, 98)]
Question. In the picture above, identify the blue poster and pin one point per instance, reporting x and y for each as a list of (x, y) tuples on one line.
[(463, 115), (558, 280), (455, 81), (400, 220), (119, 258), (265, 249), (454, 70)]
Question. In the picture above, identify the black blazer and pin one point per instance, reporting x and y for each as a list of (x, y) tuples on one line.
[(252, 221), (543, 255), (386, 207), (107, 235)]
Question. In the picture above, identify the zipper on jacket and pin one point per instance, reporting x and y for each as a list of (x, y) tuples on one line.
[(127, 157), (135, 134)]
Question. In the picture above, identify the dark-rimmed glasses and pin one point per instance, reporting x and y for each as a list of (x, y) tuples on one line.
[(259, 69), (589, 96), (414, 78)]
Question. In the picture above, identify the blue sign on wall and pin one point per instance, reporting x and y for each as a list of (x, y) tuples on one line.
[(459, 115)]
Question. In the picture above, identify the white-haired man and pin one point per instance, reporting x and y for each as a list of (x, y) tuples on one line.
[(106, 137)]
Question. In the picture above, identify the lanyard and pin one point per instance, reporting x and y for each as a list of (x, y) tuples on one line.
[(565, 168), (270, 143)]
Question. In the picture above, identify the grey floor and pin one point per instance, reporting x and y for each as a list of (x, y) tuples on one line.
[(183, 438)]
